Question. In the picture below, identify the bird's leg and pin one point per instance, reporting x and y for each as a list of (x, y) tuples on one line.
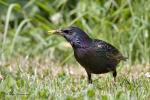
[(89, 78), (114, 75)]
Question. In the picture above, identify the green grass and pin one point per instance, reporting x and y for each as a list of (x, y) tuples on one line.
[(40, 66), (38, 79)]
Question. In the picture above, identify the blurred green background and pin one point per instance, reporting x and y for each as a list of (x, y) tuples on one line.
[(28, 55), (24, 25)]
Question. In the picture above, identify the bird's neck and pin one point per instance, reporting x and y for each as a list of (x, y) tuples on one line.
[(81, 42)]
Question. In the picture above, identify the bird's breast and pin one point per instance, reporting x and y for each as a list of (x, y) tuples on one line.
[(84, 57), (96, 63), (80, 53)]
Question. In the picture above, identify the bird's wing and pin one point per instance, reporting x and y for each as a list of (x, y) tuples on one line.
[(108, 50)]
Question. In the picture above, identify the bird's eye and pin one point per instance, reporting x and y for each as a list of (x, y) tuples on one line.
[(67, 31)]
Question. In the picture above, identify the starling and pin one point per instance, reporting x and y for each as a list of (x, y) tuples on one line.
[(96, 56)]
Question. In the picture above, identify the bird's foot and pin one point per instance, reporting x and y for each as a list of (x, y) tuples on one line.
[(90, 81)]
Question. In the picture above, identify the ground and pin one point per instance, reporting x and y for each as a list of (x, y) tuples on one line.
[(26, 78)]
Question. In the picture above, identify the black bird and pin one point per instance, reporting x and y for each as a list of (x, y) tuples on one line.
[(96, 56)]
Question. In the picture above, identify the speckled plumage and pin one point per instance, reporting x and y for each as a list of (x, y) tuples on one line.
[(96, 56)]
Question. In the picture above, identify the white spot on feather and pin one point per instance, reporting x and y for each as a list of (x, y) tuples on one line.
[(99, 46)]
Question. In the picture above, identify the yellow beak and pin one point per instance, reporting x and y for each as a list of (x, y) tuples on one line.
[(55, 31), (52, 31)]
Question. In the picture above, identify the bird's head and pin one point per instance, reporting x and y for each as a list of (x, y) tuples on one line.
[(74, 35)]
